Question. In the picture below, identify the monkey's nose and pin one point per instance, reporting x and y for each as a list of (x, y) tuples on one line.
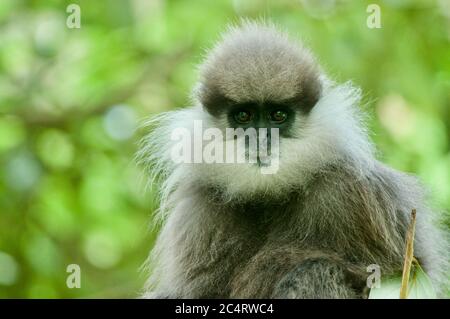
[(265, 139), (264, 145)]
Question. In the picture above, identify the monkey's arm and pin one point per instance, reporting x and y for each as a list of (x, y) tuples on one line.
[(288, 272), (321, 278)]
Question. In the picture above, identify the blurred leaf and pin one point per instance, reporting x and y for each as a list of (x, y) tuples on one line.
[(12, 132), (55, 149)]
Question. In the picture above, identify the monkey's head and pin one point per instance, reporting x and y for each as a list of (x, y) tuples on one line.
[(256, 70), (256, 77)]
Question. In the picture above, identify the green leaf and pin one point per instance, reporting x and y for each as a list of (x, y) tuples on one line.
[(419, 287)]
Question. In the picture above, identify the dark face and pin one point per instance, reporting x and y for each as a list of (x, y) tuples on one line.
[(263, 115)]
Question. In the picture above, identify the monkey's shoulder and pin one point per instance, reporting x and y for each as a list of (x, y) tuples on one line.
[(378, 185)]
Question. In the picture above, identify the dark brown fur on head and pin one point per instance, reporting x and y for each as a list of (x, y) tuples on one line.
[(258, 64)]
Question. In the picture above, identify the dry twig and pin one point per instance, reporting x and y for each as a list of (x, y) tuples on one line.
[(409, 256)]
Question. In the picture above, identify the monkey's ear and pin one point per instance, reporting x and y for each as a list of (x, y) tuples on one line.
[(212, 99)]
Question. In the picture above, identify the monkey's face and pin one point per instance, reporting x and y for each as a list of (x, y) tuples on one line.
[(278, 159), (271, 137), (266, 121), (257, 80)]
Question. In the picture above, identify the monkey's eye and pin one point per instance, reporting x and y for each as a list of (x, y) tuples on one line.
[(278, 116), (243, 117)]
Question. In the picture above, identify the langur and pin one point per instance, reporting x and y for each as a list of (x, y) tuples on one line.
[(312, 226)]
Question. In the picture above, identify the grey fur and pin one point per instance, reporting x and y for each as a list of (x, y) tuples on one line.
[(309, 231), (256, 63)]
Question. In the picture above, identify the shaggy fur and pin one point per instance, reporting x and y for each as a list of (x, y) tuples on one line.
[(308, 231)]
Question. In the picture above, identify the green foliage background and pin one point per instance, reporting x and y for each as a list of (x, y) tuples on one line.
[(70, 99)]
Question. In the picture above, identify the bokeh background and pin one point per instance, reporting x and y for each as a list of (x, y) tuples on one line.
[(71, 101)]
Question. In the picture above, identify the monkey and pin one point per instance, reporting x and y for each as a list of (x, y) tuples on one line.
[(311, 229)]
